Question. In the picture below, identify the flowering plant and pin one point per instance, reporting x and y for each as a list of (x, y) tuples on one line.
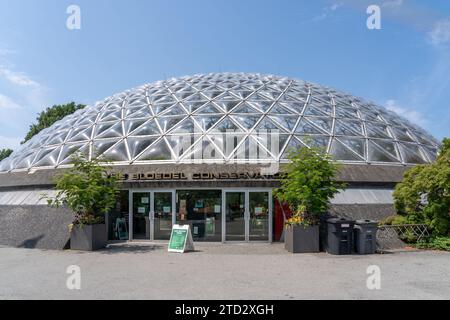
[(301, 217)]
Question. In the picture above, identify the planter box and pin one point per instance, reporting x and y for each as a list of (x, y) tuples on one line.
[(299, 239), (88, 237)]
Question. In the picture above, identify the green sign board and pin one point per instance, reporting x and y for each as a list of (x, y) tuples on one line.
[(180, 239)]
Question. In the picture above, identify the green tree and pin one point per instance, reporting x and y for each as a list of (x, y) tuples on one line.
[(423, 195), (88, 188), (5, 153), (308, 183), (48, 117)]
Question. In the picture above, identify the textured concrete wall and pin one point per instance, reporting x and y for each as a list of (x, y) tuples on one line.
[(34, 226)]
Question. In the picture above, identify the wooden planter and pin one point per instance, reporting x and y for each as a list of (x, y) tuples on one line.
[(88, 237), (300, 239)]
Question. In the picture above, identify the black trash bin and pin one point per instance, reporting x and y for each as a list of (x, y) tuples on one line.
[(340, 236), (365, 236)]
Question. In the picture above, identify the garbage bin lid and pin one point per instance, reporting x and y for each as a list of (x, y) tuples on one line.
[(365, 221), (339, 220)]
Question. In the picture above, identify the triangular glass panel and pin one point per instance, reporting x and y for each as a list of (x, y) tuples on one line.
[(348, 128), (181, 143), (206, 122), (227, 105), (262, 105), (136, 145), (278, 108), (158, 151), (377, 130), (111, 132), (192, 106), (141, 113), (287, 122), (402, 134), (211, 94), (167, 123), (380, 153), (306, 127), (131, 125), (195, 98), (270, 143), (256, 97), (292, 146), (411, 153), (341, 152), (160, 108), (321, 122), (267, 124), (242, 93), (47, 157), (176, 110), (117, 153), (356, 145), (346, 113), (245, 108), (69, 149), (298, 107), (166, 99), (314, 141), (210, 108), (227, 125), (312, 110), (246, 121), (148, 128), (58, 138), (100, 146), (186, 127), (272, 95), (111, 116)]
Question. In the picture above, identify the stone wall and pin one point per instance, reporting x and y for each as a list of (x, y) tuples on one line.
[(34, 226)]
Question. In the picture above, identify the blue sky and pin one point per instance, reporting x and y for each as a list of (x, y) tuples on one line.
[(404, 66)]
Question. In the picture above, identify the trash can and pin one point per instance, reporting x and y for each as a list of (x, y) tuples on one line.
[(365, 236), (340, 236)]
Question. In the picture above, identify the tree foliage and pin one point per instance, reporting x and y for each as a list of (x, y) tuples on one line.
[(48, 117), (88, 188), (5, 153), (423, 195), (308, 183)]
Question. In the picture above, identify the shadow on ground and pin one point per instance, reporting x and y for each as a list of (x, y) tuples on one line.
[(131, 248)]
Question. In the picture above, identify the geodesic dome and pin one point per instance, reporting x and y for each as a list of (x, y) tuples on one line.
[(147, 124)]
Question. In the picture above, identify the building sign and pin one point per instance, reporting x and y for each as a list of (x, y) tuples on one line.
[(181, 239), (175, 176)]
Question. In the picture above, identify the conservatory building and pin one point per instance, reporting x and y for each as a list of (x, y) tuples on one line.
[(207, 150)]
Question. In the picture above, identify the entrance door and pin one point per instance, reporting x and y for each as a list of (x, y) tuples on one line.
[(235, 216), (248, 215), (162, 214), (153, 215)]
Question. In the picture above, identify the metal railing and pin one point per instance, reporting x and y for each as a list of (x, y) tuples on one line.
[(412, 232)]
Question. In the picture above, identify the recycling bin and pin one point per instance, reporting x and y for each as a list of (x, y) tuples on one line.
[(365, 236), (340, 236)]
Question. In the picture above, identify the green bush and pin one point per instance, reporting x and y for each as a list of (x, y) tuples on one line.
[(423, 196), (393, 220), (435, 243)]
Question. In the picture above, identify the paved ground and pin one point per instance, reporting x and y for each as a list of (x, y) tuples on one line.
[(238, 271)]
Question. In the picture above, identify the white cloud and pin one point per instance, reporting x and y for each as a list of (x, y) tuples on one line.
[(327, 11), (412, 115), (9, 142), (8, 103), (440, 33), (18, 78)]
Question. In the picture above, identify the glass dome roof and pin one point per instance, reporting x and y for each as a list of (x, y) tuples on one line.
[(265, 115)]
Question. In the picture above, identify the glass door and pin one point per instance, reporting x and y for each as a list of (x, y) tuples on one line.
[(141, 218), (162, 214), (259, 216), (235, 216)]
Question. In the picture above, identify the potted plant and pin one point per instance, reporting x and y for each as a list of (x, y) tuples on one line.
[(307, 185), (90, 190)]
